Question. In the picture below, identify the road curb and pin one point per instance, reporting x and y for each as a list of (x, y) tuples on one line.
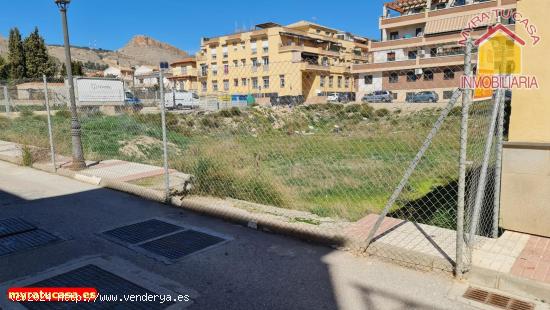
[(508, 283)]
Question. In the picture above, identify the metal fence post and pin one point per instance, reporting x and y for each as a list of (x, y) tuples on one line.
[(498, 164), (466, 97), (52, 148), (480, 193), (164, 141), (413, 164), (7, 100)]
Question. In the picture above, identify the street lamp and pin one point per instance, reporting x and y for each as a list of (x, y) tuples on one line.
[(78, 155)]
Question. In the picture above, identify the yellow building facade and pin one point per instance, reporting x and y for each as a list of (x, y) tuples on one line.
[(300, 62), (525, 198)]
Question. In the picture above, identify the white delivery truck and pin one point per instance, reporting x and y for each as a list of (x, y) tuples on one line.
[(105, 93), (181, 100)]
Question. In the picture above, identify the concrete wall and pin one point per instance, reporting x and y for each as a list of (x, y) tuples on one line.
[(525, 198)]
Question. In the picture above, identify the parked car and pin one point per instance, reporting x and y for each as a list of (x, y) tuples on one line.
[(424, 96), (336, 97), (132, 101), (378, 96)]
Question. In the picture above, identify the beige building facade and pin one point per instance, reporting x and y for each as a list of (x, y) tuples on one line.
[(419, 48), (184, 74), (300, 62), (525, 198)]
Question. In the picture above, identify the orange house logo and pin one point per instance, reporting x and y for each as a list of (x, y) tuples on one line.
[(499, 63)]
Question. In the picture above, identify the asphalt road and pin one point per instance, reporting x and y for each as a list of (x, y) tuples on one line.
[(253, 270)]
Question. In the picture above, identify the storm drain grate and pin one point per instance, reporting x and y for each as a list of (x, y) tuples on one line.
[(12, 226), (25, 240), (105, 282), (139, 232), (181, 244), (497, 300)]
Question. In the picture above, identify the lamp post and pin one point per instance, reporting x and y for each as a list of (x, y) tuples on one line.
[(78, 156)]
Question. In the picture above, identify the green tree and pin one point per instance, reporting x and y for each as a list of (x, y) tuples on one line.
[(16, 55), (3, 69), (77, 69), (37, 60)]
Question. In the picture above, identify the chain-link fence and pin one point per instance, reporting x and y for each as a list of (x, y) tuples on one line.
[(379, 150)]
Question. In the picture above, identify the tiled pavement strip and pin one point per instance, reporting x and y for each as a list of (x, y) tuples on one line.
[(513, 253)]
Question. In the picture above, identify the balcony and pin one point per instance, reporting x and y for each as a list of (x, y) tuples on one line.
[(384, 66), (418, 18), (387, 22), (405, 42), (308, 49)]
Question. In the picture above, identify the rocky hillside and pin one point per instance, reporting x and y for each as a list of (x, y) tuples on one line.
[(151, 51), (141, 50)]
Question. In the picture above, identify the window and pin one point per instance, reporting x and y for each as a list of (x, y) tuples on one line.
[(225, 68), (203, 86), (412, 54), (394, 35), (339, 82), (254, 83), (266, 82), (433, 52), (236, 82), (428, 75), (234, 46), (447, 94), (235, 63), (243, 81), (204, 70), (408, 96), (253, 46), (282, 80), (265, 61), (214, 69), (330, 81), (346, 83), (394, 77), (243, 62), (215, 85), (322, 81), (448, 74), (419, 32), (390, 56), (368, 79), (265, 46), (411, 76), (324, 61), (226, 85), (224, 48)]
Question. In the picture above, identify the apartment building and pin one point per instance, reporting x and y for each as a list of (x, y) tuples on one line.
[(300, 62), (184, 74), (419, 47)]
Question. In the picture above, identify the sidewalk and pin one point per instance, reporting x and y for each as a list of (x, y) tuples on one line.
[(515, 261)]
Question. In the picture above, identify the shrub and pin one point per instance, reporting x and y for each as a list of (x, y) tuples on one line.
[(27, 156), (63, 113), (212, 178), (225, 113), (26, 112), (367, 111), (210, 122), (353, 108), (235, 111), (382, 112)]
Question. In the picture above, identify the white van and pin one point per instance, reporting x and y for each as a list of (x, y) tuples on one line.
[(181, 100)]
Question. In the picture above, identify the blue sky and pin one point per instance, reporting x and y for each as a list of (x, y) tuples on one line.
[(110, 24)]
